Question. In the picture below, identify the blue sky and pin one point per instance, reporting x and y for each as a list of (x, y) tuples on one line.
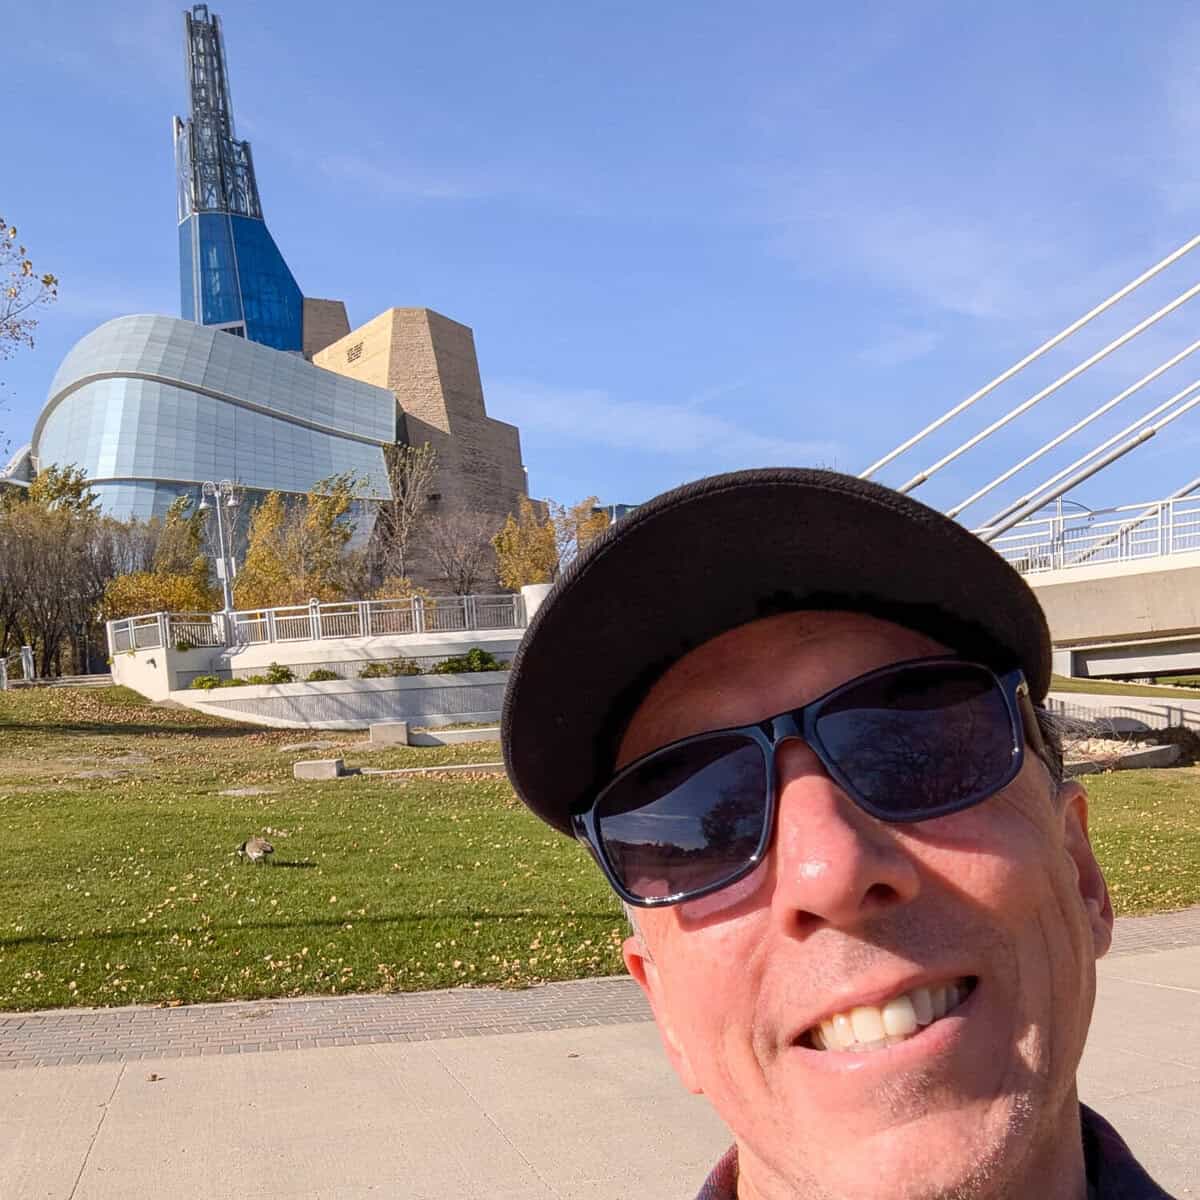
[(689, 237)]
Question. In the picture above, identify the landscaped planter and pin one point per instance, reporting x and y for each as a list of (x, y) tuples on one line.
[(430, 700)]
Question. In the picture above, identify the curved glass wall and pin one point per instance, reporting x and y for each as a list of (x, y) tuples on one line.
[(152, 406)]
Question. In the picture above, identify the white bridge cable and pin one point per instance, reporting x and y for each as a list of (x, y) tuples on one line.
[(990, 533), (1050, 389), (1107, 406), (1158, 410), (1034, 355)]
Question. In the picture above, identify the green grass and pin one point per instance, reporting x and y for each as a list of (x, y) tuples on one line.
[(1143, 826), (1114, 687), (125, 888)]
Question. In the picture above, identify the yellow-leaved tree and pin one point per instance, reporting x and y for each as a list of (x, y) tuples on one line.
[(538, 541), (263, 579), (298, 551), (179, 579), (526, 548), (150, 592)]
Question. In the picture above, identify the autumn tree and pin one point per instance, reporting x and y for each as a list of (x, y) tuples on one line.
[(55, 561), (460, 543), (410, 472), (263, 580), (180, 548), (56, 487), (300, 550), (532, 548), (152, 591), (576, 527), (22, 292), (178, 580), (526, 548), (320, 539)]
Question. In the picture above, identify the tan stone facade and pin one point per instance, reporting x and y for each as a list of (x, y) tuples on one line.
[(428, 362), (324, 321)]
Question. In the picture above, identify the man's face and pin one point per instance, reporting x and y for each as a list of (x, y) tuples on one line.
[(1004, 900)]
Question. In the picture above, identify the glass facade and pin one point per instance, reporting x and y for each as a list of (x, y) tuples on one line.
[(231, 271), (152, 406), (271, 298)]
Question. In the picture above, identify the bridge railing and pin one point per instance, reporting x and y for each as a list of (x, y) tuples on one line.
[(1083, 539), (297, 622)]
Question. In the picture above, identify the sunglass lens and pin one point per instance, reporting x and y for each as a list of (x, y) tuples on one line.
[(921, 741), (687, 818)]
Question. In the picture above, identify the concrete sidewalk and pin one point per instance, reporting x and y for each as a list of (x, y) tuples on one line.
[(554, 1093)]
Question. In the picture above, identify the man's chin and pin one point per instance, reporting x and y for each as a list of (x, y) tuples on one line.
[(968, 1154)]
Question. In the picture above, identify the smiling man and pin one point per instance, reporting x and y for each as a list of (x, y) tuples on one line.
[(795, 719)]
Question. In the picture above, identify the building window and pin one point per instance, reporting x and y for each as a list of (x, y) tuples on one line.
[(354, 353)]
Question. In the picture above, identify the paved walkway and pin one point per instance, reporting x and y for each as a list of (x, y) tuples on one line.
[(64, 1037), (567, 1097)]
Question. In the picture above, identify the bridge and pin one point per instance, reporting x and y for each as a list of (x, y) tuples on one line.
[(1120, 586)]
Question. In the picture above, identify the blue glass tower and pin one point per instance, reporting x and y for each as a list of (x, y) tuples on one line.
[(231, 273)]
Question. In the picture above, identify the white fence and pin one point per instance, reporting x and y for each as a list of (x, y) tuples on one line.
[(314, 621), (1107, 535)]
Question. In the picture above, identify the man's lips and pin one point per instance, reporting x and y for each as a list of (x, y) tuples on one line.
[(869, 1023)]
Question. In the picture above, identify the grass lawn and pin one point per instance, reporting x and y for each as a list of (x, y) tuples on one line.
[(1114, 687), (120, 883)]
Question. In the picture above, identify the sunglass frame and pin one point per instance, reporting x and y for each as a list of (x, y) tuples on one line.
[(771, 732)]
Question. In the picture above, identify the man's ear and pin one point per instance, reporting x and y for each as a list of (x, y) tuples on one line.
[(642, 967), (1092, 888)]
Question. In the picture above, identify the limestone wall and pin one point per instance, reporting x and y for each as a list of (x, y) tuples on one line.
[(324, 321), (429, 363)]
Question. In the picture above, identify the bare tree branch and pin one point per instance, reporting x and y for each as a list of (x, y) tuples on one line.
[(411, 471), (460, 543)]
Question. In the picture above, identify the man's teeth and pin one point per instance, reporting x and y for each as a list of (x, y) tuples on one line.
[(870, 1028)]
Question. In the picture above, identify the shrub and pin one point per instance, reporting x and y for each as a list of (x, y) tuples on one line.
[(278, 674), (183, 645), (206, 682), (247, 681), (475, 659), (386, 669), (321, 675)]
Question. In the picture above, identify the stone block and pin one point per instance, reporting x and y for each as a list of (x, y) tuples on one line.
[(320, 768), (389, 733), (1150, 756)]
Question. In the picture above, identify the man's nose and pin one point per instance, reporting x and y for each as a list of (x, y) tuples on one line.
[(833, 863)]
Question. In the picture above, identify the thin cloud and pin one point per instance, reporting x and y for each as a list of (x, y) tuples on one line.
[(82, 299), (592, 417), (901, 346), (390, 179)]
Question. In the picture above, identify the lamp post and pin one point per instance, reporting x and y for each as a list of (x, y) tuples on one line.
[(218, 496)]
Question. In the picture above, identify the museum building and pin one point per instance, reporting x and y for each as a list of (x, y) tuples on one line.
[(257, 383)]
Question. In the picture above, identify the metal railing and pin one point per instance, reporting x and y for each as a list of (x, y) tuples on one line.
[(315, 621), (1085, 539), (22, 660)]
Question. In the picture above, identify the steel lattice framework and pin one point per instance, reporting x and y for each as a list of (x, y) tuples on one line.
[(216, 171)]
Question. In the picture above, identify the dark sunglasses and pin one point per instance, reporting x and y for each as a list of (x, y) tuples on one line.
[(908, 742)]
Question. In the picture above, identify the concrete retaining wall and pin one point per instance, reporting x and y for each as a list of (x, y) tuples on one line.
[(161, 671), (430, 700), (1128, 712)]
